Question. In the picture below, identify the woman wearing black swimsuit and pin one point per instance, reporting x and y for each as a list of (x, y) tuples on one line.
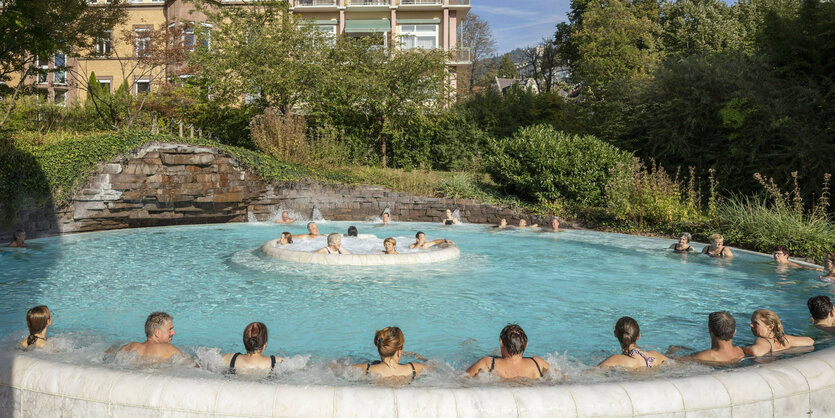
[(255, 342), (683, 244), (511, 365), (38, 320), (390, 342)]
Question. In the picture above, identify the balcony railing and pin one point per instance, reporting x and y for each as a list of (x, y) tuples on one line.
[(462, 54), (459, 2), (311, 3), (417, 2), (369, 2)]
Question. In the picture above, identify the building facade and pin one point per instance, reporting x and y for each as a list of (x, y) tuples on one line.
[(414, 23)]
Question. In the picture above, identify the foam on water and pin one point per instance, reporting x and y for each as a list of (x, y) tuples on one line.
[(565, 289)]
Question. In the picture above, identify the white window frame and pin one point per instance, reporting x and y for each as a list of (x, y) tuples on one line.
[(411, 31), (142, 81), (59, 74), (43, 70), (109, 83), (142, 41), (104, 45), (55, 97)]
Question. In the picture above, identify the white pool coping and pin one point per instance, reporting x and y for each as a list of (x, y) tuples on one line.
[(794, 387), (272, 249)]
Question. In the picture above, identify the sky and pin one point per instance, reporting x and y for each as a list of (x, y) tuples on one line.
[(520, 23)]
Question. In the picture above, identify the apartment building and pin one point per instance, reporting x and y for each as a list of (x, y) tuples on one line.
[(412, 23)]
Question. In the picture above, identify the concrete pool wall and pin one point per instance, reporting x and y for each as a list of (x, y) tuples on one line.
[(272, 249), (798, 387)]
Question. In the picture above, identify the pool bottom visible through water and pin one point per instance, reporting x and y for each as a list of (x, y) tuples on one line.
[(565, 289)]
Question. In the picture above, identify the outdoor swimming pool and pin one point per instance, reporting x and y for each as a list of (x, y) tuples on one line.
[(565, 289)]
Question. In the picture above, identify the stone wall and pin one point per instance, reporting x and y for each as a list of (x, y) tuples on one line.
[(174, 184)]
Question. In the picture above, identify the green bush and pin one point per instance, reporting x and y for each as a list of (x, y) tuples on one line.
[(538, 163)]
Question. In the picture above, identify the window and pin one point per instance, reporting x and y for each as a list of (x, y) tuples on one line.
[(104, 45), (419, 36), (60, 97), (188, 37), (143, 86), (104, 84), (327, 29), (143, 41), (42, 68), (60, 76)]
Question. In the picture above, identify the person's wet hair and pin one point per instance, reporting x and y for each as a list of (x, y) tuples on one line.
[(419, 234), (37, 320), (627, 332), (389, 340), (772, 321), (686, 235), (782, 249), (722, 325), (819, 307), (288, 236), (391, 240), (309, 224), (156, 320), (514, 339), (334, 238), (716, 237), (352, 231), (255, 337)]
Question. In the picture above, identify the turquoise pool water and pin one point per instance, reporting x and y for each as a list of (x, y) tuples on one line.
[(565, 289)]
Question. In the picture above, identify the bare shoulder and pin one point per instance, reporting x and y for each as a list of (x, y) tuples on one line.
[(658, 356), (481, 364), (800, 341), (419, 367), (614, 360), (544, 365), (132, 346)]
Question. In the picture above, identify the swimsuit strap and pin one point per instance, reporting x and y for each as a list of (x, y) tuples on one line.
[(272, 359), (492, 364), (646, 358), (414, 372), (367, 367), (770, 346), (232, 363), (537, 366)]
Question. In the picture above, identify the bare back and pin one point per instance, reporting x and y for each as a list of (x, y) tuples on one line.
[(719, 356), (153, 350)]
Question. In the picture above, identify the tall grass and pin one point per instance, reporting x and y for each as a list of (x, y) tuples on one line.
[(287, 137)]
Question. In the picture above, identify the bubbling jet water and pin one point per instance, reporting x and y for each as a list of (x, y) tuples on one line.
[(316, 215)]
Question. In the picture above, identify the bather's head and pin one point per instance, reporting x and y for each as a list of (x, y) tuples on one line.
[(352, 231), (285, 216), (160, 326), (717, 240), (820, 307), (286, 238), (19, 235), (389, 244), (513, 340), (334, 240), (523, 223), (721, 325), (312, 228), (628, 333), (37, 320), (255, 337), (684, 238), (766, 324), (420, 237), (389, 341)]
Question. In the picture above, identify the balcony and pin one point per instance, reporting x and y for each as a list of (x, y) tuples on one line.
[(420, 2), (369, 2), (461, 55), (315, 3), (459, 2)]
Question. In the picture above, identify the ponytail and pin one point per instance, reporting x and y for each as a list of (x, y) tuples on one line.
[(37, 319), (388, 340), (627, 332)]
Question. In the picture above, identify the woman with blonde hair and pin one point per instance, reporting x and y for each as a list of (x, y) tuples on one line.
[(628, 333), (286, 238), (390, 342), (717, 247), (255, 342), (829, 267), (771, 338), (38, 319), (389, 244)]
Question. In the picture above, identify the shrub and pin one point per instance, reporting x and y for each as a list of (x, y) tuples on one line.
[(539, 163), (644, 194), (286, 137), (459, 186)]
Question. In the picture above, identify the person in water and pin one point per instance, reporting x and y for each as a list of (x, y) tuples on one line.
[(285, 218), (683, 244), (286, 238), (717, 247), (449, 220), (386, 217), (312, 231), (771, 338), (781, 257), (334, 245), (352, 231), (389, 244), (722, 328), (390, 342), (159, 330), (512, 364), (255, 342), (18, 239), (823, 314), (422, 243), (502, 224), (628, 333), (829, 267), (524, 224), (38, 320), (555, 225)]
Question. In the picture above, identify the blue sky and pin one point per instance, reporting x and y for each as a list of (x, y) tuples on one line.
[(519, 23)]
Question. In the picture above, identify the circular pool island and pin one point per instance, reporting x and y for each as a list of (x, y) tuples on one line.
[(565, 289), (363, 252)]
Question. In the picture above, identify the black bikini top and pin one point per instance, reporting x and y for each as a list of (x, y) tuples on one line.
[(235, 358), (493, 365), (414, 372)]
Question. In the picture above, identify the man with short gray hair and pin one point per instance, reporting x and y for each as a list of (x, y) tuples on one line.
[(159, 331), (312, 231)]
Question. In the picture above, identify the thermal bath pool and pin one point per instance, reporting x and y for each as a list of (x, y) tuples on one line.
[(565, 289)]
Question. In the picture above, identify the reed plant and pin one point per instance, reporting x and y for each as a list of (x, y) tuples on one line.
[(286, 136)]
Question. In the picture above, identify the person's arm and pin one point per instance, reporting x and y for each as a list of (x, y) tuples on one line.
[(660, 358), (480, 365), (321, 250), (413, 245), (726, 251), (343, 250), (706, 249), (800, 341), (128, 347), (672, 247), (759, 348)]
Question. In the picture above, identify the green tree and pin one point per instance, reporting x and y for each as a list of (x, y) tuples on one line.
[(262, 52), (31, 29), (696, 26), (507, 69), (374, 90)]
